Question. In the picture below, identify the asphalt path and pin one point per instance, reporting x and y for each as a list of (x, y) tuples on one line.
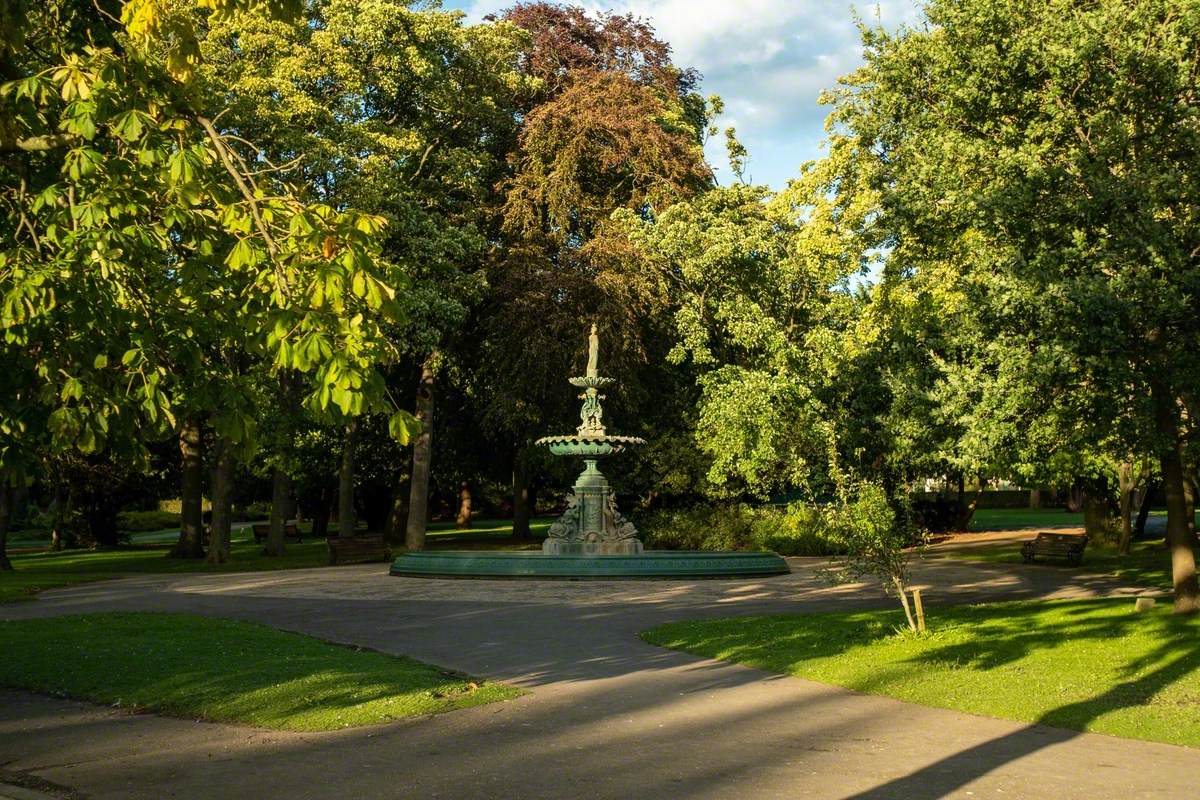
[(607, 715)]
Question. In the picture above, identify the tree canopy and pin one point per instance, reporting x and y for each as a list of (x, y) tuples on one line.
[(237, 231)]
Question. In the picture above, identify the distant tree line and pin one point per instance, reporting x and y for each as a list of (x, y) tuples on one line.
[(341, 254)]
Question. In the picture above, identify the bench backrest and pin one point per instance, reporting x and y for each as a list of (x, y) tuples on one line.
[(1061, 539), (263, 528)]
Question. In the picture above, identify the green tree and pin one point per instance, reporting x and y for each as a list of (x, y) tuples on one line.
[(764, 313), (127, 205), (1031, 164), (758, 312), (405, 112)]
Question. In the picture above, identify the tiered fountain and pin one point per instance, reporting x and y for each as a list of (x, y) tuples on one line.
[(591, 539), (591, 525)]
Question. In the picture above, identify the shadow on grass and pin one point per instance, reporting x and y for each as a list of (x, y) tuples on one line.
[(944, 777), (673, 707), (1080, 665), (225, 670)]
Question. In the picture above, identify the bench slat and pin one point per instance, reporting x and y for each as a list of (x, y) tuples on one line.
[(290, 531)]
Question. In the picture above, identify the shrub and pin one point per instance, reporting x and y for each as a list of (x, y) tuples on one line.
[(32, 534), (699, 528), (876, 533), (33, 525), (938, 514), (796, 530), (136, 521), (252, 512)]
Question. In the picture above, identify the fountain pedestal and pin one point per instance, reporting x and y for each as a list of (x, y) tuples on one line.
[(591, 524)]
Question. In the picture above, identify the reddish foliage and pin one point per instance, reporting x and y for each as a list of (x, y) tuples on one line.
[(602, 144), (567, 41), (614, 124)]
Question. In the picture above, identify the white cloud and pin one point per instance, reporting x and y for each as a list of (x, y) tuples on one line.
[(768, 59)]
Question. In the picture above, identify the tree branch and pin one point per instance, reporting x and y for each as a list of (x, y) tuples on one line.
[(38, 144), (251, 200)]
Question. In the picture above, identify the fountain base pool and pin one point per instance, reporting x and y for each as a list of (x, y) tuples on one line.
[(532, 565)]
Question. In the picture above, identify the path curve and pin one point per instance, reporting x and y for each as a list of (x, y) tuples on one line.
[(608, 716)]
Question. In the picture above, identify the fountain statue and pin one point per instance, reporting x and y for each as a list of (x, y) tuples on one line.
[(591, 525)]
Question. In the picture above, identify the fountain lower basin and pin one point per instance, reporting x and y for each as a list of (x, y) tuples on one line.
[(532, 565)]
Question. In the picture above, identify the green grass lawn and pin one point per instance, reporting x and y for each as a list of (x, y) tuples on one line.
[(37, 571), (1148, 564), (490, 527), (486, 534), (1000, 519), (227, 671), (1003, 519), (1091, 665)]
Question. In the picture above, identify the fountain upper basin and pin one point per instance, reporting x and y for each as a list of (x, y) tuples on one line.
[(588, 446)]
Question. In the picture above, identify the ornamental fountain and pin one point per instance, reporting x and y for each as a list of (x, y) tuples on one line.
[(591, 539), (591, 525)]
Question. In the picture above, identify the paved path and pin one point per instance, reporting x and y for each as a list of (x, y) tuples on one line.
[(608, 715)]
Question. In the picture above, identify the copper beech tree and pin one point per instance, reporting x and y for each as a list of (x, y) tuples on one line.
[(609, 123)]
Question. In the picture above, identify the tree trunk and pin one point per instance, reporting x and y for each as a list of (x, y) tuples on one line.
[(418, 499), (1097, 513), (463, 518), (346, 519), (1139, 528), (522, 496), (220, 529), (1127, 484), (1035, 498), (281, 489), (191, 525), (966, 510), (6, 496), (899, 584), (321, 515), (1179, 536), (1189, 497), (57, 534), (1075, 498), (281, 481), (393, 531)]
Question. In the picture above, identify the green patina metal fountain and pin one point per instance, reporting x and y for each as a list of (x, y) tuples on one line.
[(591, 539), (591, 525)]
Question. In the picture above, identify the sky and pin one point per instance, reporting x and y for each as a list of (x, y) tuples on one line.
[(769, 60)]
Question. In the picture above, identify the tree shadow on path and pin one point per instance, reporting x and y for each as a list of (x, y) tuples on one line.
[(945, 776)]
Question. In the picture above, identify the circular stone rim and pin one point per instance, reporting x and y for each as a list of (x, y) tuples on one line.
[(577, 439), (535, 565)]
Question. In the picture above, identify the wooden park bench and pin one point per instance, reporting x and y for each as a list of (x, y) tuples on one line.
[(262, 529), (356, 549), (1068, 546)]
